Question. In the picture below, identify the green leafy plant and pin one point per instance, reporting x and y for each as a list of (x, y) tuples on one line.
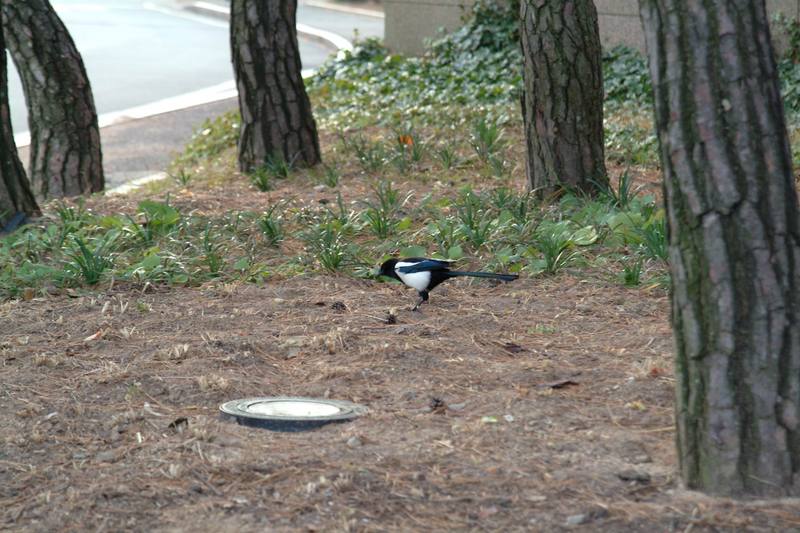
[(447, 156), (381, 223), (327, 246), (632, 272), (557, 242), (69, 215), (370, 154), (557, 251), (654, 239), (278, 166), (271, 225), (275, 167), (90, 260), (400, 160), (388, 198), (211, 139), (159, 219), (476, 223), (343, 217), (502, 198), (261, 179), (789, 64), (159, 266), (625, 76), (380, 213), (330, 175), (630, 143), (623, 196), (408, 145), (232, 223), (160, 216), (213, 252), (444, 232), (486, 138), (478, 64), (181, 176)]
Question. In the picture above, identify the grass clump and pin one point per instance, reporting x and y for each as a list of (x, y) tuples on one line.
[(90, 260), (271, 225), (495, 227)]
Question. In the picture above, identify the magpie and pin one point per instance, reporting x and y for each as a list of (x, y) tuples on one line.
[(424, 274)]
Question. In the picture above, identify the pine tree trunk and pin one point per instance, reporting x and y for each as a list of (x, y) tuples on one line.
[(276, 112), (65, 156), (563, 97), (734, 245), (15, 193)]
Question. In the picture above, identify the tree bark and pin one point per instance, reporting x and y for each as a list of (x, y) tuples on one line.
[(276, 113), (563, 96), (734, 245), (65, 154), (15, 192)]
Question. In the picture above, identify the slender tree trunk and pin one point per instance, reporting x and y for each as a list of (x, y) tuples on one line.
[(734, 245), (276, 113), (65, 156), (15, 193), (563, 97)]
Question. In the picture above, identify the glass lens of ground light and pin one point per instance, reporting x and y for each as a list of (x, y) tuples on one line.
[(293, 408)]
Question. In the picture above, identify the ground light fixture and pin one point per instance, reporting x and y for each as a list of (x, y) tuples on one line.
[(289, 414)]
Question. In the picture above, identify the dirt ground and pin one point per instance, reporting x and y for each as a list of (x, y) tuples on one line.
[(541, 405)]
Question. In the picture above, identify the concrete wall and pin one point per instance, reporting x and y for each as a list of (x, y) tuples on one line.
[(409, 22), (619, 20)]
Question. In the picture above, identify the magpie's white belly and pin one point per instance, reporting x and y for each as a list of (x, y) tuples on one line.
[(417, 280)]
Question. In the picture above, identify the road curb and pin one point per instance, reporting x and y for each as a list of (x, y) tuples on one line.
[(322, 4), (335, 41), (135, 184)]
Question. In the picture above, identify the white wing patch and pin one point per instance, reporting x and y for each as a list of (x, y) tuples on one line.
[(416, 280)]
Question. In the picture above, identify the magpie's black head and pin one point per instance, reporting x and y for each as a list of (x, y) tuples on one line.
[(387, 269)]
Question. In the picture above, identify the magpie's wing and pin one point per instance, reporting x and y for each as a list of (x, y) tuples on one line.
[(409, 266)]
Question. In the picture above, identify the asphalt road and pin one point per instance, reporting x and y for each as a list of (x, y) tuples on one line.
[(137, 52)]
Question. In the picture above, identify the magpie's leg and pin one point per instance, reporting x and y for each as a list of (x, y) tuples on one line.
[(423, 297)]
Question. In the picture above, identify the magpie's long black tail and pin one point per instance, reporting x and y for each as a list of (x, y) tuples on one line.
[(490, 275)]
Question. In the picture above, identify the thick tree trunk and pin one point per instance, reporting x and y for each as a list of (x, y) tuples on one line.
[(276, 113), (563, 97), (15, 193), (65, 156), (734, 245)]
